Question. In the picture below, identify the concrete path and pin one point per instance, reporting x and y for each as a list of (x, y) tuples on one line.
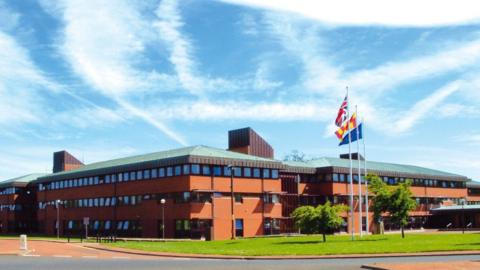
[(62, 250), (453, 265)]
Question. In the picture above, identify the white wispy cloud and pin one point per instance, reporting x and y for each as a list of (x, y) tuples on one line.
[(107, 57), (422, 108), (369, 87), (169, 27), (243, 110), (411, 13), (21, 84)]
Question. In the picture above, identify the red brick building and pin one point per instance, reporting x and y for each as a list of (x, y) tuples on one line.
[(124, 196)]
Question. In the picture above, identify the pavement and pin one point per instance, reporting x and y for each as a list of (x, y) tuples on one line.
[(50, 255), (455, 265)]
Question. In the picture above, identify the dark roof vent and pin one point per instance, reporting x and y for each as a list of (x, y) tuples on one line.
[(354, 156), (247, 141), (64, 161)]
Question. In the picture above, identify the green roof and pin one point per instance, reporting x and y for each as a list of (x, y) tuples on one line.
[(22, 179), (374, 166), (196, 151)]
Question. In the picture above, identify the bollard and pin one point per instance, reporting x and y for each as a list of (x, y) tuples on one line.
[(23, 242)]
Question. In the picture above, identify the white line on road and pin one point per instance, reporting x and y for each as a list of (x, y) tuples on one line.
[(90, 257), (31, 255), (62, 256), (121, 257)]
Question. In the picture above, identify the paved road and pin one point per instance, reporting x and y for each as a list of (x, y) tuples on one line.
[(54, 263)]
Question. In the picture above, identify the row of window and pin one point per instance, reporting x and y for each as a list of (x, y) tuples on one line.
[(187, 169), (11, 207), (104, 225), (95, 202), (345, 178), (9, 191), (178, 197)]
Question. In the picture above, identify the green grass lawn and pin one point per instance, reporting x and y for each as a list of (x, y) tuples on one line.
[(313, 245)]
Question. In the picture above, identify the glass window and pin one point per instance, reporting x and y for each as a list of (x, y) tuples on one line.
[(139, 175), (247, 172), (237, 172), (133, 176), (107, 225), (90, 180), (119, 225), (161, 172), (256, 172), (126, 225), (169, 171), (178, 170), (206, 170), (101, 201), (113, 201), (107, 201), (95, 180), (125, 176), (186, 169), (217, 171), (90, 202), (227, 171), (335, 177), (107, 179), (195, 169), (146, 174), (133, 200), (126, 200), (154, 173), (266, 173), (95, 202), (275, 174)]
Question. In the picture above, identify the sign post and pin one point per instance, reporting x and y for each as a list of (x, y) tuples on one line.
[(86, 221)]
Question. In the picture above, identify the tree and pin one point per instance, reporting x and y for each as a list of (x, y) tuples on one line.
[(295, 155), (396, 201), (321, 219)]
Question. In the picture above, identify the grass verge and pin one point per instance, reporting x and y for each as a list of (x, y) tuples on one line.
[(313, 245)]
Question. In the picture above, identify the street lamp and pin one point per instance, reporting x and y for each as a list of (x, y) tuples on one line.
[(57, 204), (232, 201), (162, 201), (462, 202)]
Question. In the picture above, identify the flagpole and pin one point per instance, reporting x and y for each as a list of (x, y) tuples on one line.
[(360, 222), (366, 182), (351, 170)]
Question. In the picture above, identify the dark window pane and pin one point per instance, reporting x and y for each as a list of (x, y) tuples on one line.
[(217, 170), (195, 169), (206, 170), (247, 172)]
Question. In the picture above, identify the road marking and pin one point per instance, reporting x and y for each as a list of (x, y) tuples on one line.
[(121, 257), (31, 255), (90, 257), (62, 256)]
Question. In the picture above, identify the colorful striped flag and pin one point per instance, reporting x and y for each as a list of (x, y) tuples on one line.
[(350, 124)]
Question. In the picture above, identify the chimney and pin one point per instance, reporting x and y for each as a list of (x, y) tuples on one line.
[(64, 161), (247, 141)]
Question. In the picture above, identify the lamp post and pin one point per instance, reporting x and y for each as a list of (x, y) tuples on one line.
[(57, 204), (232, 201), (462, 202), (162, 201)]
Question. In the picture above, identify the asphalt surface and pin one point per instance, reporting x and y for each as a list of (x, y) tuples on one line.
[(54, 263)]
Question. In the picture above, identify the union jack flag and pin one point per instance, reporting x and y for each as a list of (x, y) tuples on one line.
[(342, 113)]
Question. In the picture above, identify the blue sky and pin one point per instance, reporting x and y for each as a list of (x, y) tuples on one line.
[(105, 80)]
